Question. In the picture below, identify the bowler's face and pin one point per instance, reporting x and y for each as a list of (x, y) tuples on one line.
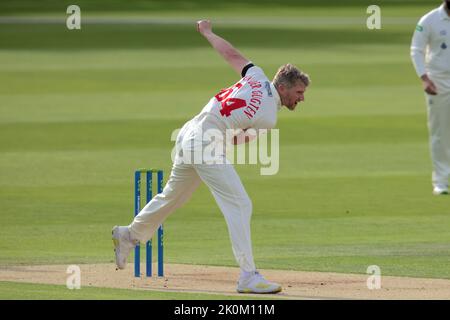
[(290, 97)]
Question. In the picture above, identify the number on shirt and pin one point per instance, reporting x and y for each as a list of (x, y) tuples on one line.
[(230, 104)]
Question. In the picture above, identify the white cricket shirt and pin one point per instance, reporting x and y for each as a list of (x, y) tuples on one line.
[(430, 47), (252, 102)]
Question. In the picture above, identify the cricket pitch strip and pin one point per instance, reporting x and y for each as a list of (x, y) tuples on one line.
[(297, 285)]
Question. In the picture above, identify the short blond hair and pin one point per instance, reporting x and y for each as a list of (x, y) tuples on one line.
[(288, 75)]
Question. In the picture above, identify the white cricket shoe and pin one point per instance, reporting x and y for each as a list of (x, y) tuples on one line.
[(122, 245), (438, 190), (256, 283)]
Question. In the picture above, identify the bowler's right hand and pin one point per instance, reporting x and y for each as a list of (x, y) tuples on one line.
[(204, 26)]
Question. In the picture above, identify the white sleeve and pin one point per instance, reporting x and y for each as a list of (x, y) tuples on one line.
[(419, 44)]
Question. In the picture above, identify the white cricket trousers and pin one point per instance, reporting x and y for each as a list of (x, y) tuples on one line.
[(438, 109), (228, 191)]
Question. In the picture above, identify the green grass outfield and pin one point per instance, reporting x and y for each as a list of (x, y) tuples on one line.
[(80, 110)]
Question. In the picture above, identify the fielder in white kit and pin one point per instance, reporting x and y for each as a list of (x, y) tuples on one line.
[(253, 103), (430, 52)]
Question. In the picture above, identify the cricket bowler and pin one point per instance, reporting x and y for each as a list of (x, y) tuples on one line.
[(250, 103)]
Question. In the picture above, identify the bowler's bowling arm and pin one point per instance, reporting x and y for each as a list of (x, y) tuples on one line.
[(222, 46)]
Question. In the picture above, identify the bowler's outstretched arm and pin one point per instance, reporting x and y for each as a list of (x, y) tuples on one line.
[(228, 52)]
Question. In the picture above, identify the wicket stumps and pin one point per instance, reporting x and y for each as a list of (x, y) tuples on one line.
[(137, 209)]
